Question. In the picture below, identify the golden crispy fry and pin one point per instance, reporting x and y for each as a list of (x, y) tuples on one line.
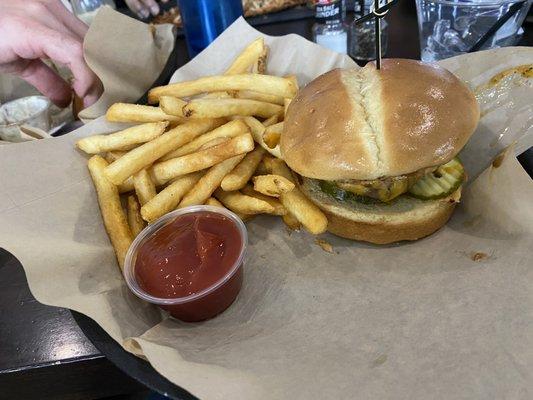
[(257, 129), (237, 178), (205, 187), (267, 98), (115, 221), (229, 130), (275, 203), (216, 95), (260, 83), (243, 204), (273, 134), (272, 185), (270, 121), (305, 211), (286, 104), (144, 186), (113, 156), (202, 159), (244, 61), (259, 66), (172, 105), (215, 203), (122, 139), (144, 155), (215, 108), (169, 198), (261, 169), (135, 220), (291, 222), (123, 112), (294, 82), (126, 186), (213, 142)]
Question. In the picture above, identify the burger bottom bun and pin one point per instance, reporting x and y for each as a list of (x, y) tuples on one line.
[(406, 218)]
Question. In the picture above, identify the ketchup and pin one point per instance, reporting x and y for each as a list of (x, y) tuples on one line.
[(187, 256)]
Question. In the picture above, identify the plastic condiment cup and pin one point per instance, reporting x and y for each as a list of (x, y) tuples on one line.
[(206, 303), (33, 111)]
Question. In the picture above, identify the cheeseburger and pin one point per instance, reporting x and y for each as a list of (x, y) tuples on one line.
[(376, 149)]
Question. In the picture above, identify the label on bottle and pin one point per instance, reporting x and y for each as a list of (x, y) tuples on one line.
[(328, 11)]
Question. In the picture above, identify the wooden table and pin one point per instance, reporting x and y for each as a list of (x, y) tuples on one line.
[(43, 352)]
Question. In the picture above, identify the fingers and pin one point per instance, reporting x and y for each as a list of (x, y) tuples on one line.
[(143, 8), (66, 17), (37, 41), (137, 7), (45, 80), (152, 5)]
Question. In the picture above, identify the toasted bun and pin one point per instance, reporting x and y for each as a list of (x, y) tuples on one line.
[(406, 218), (367, 123)]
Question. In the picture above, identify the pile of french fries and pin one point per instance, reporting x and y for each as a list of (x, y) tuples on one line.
[(213, 140)]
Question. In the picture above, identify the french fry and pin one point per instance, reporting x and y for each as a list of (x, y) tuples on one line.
[(275, 203), (126, 186), (229, 130), (291, 222), (122, 139), (216, 95), (272, 185), (208, 183), (144, 186), (286, 104), (273, 134), (202, 159), (215, 108), (115, 221), (237, 178), (144, 155), (172, 105), (135, 220), (243, 204), (259, 66), (294, 82), (305, 211), (113, 155), (169, 198), (270, 121), (250, 55), (260, 83), (257, 129), (261, 169), (268, 98), (123, 112), (215, 203), (213, 142)]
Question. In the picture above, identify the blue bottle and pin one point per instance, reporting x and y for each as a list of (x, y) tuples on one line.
[(204, 20)]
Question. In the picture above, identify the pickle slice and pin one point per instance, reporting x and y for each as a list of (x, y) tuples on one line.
[(440, 183)]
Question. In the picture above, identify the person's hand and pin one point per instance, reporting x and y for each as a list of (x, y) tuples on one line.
[(33, 30), (143, 8)]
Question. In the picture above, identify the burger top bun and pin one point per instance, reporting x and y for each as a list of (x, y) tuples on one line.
[(366, 123)]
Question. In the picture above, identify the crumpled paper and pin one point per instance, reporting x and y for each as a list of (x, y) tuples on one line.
[(127, 56), (447, 317)]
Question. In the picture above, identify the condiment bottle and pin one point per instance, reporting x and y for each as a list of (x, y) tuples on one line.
[(362, 40), (329, 29)]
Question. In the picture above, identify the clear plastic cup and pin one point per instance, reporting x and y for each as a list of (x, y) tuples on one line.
[(451, 27), (210, 301)]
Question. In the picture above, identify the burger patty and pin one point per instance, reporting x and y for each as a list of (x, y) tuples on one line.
[(386, 188)]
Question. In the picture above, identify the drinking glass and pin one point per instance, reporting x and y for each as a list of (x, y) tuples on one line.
[(204, 20), (451, 27)]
